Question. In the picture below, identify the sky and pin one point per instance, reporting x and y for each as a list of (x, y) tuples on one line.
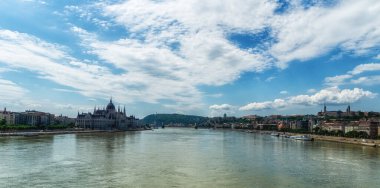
[(190, 56)]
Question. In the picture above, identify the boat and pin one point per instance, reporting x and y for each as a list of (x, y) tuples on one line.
[(303, 138), (30, 134), (366, 143), (275, 134)]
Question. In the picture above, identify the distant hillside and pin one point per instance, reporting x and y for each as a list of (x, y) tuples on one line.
[(173, 118)]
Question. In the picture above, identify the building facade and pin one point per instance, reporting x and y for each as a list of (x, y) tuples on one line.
[(11, 118), (35, 118), (107, 119), (64, 120), (29, 117)]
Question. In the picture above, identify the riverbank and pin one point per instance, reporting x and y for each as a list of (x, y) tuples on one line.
[(31, 133), (357, 141)]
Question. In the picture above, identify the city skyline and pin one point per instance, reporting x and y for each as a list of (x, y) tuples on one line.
[(191, 57)]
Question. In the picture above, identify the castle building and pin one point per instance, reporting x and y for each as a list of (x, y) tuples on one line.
[(338, 113), (106, 119)]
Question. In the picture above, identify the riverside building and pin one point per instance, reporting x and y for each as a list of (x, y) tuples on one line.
[(11, 118), (29, 117), (107, 119)]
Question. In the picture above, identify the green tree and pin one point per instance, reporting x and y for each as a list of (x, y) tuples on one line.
[(340, 133), (3, 122), (355, 134), (317, 130)]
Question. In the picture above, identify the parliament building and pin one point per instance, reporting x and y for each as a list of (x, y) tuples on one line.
[(107, 118)]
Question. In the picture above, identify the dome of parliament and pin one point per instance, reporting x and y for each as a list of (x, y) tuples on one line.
[(110, 106)]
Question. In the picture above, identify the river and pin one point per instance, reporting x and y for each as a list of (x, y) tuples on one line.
[(175, 157)]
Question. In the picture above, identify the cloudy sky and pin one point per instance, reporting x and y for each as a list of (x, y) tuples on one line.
[(190, 56)]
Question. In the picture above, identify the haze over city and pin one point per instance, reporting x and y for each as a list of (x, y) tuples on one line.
[(193, 57)]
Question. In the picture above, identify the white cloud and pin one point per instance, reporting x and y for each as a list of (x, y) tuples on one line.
[(331, 95), (219, 110), (173, 47), (147, 82), (323, 27), (16, 98), (337, 80), (269, 79), (277, 103), (10, 91), (192, 14), (199, 30), (35, 1), (349, 25), (216, 95), (5, 69), (89, 13), (204, 56), (366, 80), (65, 90), (365, 68), (221, 107), (284, 92), (73, 107), (50, 61), (312, 90), (352, 77)]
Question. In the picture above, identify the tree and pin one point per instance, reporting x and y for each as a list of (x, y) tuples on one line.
[(3, 122), (317, 130), (355, 134), (340, 133), (71, 125)]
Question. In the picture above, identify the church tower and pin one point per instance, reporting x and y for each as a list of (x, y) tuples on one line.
[(348, 111)]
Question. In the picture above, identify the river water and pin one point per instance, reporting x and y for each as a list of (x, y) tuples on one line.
[(183, 158)]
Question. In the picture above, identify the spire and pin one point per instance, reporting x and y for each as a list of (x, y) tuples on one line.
[(111, 100), (325, 108), (124, 109)]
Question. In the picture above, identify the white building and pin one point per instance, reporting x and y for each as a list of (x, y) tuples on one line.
[(29, 117), (10, 117)]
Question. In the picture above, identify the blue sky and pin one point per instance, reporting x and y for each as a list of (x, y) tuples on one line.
[(193, 57)]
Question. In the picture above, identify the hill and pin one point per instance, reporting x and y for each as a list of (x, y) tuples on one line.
[(174, 119)]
